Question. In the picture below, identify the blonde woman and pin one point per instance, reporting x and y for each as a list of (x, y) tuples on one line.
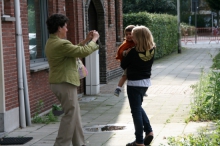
[(139, 63)]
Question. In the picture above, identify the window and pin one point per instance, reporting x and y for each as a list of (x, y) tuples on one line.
[(38, 34)]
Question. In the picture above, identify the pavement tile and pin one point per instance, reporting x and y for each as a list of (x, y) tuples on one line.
[(167, 103)]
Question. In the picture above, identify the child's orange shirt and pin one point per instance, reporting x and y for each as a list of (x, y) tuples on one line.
[(124, 46)]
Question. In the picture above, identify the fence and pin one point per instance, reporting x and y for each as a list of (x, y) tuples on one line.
[(208, 34)]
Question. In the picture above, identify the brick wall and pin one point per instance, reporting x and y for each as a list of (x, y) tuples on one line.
[(10, 58), (38, 82), (109, 66), (39, 89), (114, 32), (74, 11)]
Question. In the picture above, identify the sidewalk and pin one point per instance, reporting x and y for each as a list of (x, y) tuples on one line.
[(167, 104)]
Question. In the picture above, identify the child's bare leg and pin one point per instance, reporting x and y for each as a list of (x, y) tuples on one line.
[(122, 81)]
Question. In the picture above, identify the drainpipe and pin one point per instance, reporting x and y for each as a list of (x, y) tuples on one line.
[(84, 19), (26, 94), (2, 80), (19, 60)]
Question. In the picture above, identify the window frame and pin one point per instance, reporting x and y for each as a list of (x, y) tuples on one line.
[(41, 63), (43, 18), (43, 15)]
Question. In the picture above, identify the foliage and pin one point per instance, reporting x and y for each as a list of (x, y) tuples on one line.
[(46, 119), (40, 105), (185, 6), (206, 101), (216, 62), (213, 4), (201, 19), (187, 30), (156, 6), (204, 138), (162, 26), (152, 6), (56, 107)]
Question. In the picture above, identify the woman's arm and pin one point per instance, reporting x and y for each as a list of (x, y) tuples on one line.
[(92, 35), (70, 50)]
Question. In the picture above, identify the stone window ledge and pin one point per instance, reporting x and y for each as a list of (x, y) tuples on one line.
[(39, 65)]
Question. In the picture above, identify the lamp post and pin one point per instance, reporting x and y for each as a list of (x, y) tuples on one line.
[(212, 21), (196, 8), (178, 24), (189, 20)]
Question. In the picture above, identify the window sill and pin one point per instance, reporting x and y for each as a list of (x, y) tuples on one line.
[(39, 65), (8, 18)]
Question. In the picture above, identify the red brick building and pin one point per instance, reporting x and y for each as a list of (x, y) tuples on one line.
[(102, 15)]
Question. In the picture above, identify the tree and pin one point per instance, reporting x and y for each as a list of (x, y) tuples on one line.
[(215, 6), (152, 6), (185, 6)]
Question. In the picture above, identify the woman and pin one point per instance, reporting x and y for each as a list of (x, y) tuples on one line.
[(138, 63), (64, 77)]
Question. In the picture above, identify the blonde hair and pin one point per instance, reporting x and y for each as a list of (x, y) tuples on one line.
[(143, 38)]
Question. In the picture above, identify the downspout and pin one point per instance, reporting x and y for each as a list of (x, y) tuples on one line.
[(2, 80), (84, 19), (26, 94), (19, 60)]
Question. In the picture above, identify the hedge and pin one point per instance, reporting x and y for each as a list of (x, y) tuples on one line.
[(163, 27)]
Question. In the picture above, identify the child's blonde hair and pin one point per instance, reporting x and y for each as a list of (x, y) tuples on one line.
[(143, 38)]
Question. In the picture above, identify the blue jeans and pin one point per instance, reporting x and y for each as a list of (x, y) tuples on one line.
[(140, 119)]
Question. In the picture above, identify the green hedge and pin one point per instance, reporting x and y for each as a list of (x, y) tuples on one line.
[(163, 27)]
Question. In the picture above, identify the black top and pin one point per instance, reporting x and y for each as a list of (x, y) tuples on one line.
[(138, 64)]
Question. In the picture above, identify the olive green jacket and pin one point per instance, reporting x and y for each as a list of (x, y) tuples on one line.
[(62, 55)]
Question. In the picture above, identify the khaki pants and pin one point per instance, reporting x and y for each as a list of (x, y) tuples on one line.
[(70, 126)]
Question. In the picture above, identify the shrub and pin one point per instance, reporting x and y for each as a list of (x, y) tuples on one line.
[(203, 138), (162, 26), (206, 101), (187, 30)]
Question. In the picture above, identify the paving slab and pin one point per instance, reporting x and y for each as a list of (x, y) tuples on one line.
[(167, 104)]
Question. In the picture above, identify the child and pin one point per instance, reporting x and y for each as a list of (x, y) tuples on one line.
[(123, 49)]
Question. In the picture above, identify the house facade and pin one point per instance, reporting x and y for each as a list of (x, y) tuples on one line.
[(24, 68)]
